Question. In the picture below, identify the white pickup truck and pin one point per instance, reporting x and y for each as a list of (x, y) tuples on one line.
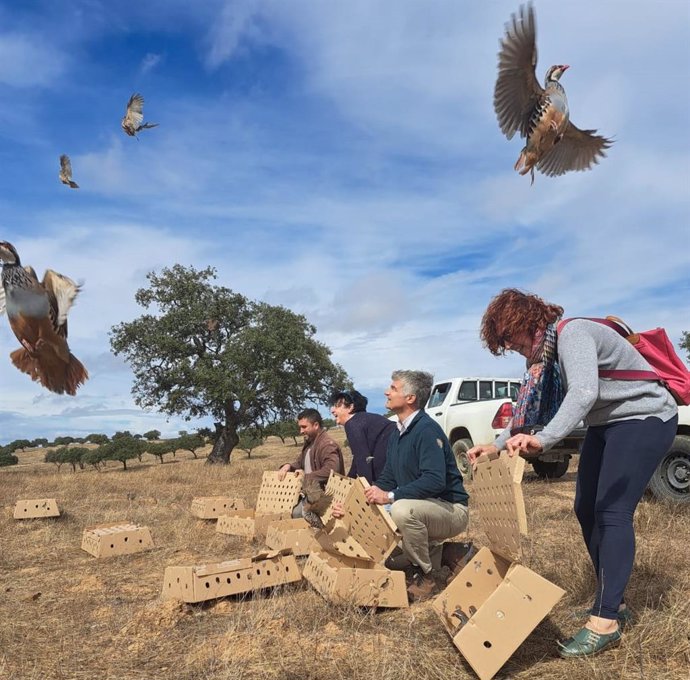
[(475, 410)]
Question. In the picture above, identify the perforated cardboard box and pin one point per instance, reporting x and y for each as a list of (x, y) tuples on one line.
[(495, 602), (210, 581), (349, 566), (118, 538), (37, 507), (294, 534), (212, 507), (276, 500)]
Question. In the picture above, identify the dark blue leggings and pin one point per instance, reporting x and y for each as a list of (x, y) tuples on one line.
[(616, 464)]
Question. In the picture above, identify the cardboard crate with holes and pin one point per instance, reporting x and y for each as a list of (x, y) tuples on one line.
[(275, 501), (118, 538), (210, 581), (212, 507), (349, 566), (37, 507), (294, 534), (495, 602)]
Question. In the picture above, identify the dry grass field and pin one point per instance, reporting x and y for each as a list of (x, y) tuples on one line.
[(66, 615)]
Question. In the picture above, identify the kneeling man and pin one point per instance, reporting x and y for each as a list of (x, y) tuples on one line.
[(421, 478)]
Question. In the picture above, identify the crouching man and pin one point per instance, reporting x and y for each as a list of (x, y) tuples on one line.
[(320, 454), (421, 479)]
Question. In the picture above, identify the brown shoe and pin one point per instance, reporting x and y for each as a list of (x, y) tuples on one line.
[(423, 587)]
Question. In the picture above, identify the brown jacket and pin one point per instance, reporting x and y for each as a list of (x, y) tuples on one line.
[(325, 456)]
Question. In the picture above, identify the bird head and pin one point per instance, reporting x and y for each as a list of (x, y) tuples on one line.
[(555, 73), (8, 253)]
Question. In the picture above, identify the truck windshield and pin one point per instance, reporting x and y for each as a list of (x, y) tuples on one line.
[(438, 395)]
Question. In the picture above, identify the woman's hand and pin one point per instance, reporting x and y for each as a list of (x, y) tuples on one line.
[(480, 450), (523, 443)]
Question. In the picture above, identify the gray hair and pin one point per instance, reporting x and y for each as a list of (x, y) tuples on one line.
[(415, 383)]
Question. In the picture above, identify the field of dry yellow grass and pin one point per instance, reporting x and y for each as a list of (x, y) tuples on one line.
[(66, 615)]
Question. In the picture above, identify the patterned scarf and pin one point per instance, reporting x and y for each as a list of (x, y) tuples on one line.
[(541, 392)]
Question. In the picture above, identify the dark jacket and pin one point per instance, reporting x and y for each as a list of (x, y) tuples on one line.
[(325, 456), (368, 434), (420, 464)]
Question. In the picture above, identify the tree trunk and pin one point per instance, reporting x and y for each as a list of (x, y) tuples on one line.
[(226, 437)]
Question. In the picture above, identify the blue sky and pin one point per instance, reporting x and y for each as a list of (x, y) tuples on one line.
[(341, 159)]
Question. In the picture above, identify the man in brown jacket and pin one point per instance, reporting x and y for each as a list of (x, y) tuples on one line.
[(320, 454)]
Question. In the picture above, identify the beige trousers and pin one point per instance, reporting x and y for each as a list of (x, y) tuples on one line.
[(423, 524)]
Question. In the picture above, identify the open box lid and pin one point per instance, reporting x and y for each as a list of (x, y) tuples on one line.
[(497, 499), (366, 532), (276, 495)]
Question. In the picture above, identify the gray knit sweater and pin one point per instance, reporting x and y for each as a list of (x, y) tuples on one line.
[(583, 348)]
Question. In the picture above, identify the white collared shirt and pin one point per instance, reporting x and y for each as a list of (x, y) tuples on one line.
[(403, 425)]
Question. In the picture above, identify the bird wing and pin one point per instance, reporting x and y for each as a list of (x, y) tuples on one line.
[(135, 110), (2, 299), (61, 292), (517, 92), (66, 166), (577, 150)]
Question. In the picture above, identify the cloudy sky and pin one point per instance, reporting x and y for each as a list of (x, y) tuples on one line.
[(341, 159)]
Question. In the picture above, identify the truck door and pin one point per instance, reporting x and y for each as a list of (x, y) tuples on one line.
[(437, 406)]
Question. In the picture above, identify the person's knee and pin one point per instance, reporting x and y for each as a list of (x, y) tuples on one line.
[(402, 513)]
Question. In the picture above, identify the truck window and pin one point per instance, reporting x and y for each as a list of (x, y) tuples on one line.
[(468, 391), (501, 389), (438, 395), (485, 390), (514, 389)]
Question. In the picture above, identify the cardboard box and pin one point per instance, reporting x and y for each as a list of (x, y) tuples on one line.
[(212, 507), (37, 507), (118, 538), (495, 602), (210, 581), (349, 565), (294, 534), (275, 502), (346, 581)]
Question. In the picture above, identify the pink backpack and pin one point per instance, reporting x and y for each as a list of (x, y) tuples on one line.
[(656, 347)]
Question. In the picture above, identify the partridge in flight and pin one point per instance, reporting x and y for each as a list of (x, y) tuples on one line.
[(541, 115), (37, 312), (66, 172), (133, 120)]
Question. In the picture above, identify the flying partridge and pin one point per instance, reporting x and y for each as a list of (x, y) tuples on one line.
[(541, 115), (133, 120), (66, 172), (315, 502)]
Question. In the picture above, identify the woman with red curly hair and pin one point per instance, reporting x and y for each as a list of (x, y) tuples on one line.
[(631, 424)]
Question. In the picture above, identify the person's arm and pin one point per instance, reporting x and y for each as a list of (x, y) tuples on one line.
[(386, 480), (357, 440), (577, 355)]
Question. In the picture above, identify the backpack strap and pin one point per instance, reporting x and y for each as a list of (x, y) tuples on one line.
[(614, 323)]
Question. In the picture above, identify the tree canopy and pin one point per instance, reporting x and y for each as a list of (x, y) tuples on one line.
[(203, 350), (685, 344)]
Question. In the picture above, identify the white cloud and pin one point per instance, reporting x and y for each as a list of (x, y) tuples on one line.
[(29, 61)]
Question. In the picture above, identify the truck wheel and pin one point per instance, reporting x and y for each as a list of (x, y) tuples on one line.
[(671, 480), (460, 449), (551, 469)]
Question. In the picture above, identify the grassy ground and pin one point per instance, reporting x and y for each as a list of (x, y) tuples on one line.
[(66, 615)]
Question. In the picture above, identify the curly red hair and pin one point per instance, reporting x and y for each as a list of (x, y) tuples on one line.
[(512, 312)]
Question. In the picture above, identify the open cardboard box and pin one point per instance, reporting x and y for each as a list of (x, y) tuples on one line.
[(275, 501), (118, 538), (495, 602), (349, 566), (210, 581), (295, 534), (212, 507), (37, 507)]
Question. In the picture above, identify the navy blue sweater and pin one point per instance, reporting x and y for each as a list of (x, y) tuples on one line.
[(420, 464), (368, 434)]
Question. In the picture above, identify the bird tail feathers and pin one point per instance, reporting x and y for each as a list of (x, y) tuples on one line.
[(48, 368)]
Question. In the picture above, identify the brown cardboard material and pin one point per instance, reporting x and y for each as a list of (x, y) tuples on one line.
[(349, 566), (118, 538), (495, 602), (359, 583), (37, 507), (294, 534), (210, 581), (276, 500), (212, 507)]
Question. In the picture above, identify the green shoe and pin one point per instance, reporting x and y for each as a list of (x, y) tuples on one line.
[(586, 642)]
